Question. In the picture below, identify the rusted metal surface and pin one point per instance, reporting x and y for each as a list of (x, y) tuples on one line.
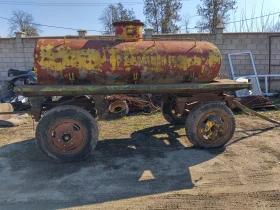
[(190, 102), (256, 102), (72, 90), (117, 106), (173, 109), (96, 62), (250, 111), (36, 113), (213, 127), (80, 101), (67, 136), (128, 30), (36, 109), (137, 103), (117, 109)]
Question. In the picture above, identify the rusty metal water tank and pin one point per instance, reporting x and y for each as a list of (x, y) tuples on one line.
[(126, 60)]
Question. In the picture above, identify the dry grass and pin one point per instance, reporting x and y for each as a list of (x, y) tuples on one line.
[(149, 125), (124, 127)]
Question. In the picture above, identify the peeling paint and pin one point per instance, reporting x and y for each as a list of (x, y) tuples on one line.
[(87, 59), (166, 61)]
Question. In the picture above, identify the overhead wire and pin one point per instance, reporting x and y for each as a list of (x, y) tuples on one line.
[(60, 27), (181, 28), (53, 4), (253, 18), (238, 20), (106, 4)]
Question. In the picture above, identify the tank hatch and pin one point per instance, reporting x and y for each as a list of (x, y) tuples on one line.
[(129, 31)]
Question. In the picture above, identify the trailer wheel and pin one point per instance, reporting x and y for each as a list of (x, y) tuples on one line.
[(210, 124), (67, 134), (170, 113), (70, 100)]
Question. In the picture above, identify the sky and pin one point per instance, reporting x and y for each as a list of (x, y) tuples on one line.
[(85, 15)]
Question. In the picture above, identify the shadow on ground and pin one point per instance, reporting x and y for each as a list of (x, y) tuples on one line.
[(118, 169), (249, 133)]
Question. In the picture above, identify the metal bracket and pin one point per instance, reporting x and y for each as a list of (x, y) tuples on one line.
[(72, 78)]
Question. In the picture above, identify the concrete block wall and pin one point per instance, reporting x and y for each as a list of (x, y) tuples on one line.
[(257, 43), (18, 52)]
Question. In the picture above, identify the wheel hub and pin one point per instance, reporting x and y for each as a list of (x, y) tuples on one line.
[(212, 128), (67, 136)]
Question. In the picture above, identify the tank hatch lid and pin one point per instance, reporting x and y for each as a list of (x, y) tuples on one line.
[(130, 22), (128, 30)]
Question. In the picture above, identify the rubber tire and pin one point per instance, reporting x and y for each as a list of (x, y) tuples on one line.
[(66, 112), (166, 110), (197, 113)]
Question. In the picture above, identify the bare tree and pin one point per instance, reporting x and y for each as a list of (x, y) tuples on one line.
[(275, 27), (265, 21), (214, 13), (23, 21), (163, 15), (186, 20), (114, 13)]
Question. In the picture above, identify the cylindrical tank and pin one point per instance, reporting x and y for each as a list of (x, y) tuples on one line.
[(59, 61), (126, 60)]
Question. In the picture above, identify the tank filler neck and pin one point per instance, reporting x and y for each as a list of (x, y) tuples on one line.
[(129, 31)]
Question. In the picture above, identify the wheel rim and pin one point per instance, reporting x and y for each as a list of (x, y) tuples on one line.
[(173, 112), (213, 128), (67, 136)]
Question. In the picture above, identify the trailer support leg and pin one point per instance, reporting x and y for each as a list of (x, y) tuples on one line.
[(250, 111)]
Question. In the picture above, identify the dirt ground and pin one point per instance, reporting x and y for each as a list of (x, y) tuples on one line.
[(143, 163)]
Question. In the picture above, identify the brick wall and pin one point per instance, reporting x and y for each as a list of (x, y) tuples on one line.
[(18, 52)]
